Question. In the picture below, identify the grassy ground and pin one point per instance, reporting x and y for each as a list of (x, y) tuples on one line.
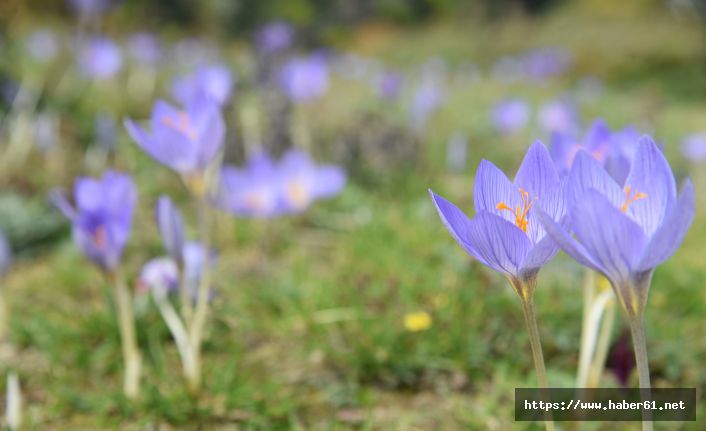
[(308, 329)]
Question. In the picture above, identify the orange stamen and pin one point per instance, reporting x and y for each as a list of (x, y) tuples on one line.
[(520, 213), (100, 237), (630, 199), (182, 124)]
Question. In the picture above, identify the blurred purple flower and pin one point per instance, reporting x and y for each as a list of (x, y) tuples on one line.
[(144, 49), (102, 217), (510, 116), (427, 98), (250, 191), (196, 257), (388, 85), (42, 45), (565, 146), (623, 147), (303, 181), (558, 116), (160, 275), (99, 58), (186, 141), (274, 37), (264, 189), (89, 8), (624, 232), (505, 234), (5, 254), (693, 147), (212, 82), (304, 79), (544, 63), (171, 227)]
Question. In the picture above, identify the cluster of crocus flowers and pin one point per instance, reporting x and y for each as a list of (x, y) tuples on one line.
[(266, 188), (622, 230), (101, 222)]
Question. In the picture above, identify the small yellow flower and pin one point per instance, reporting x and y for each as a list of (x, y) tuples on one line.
[(418, 321)]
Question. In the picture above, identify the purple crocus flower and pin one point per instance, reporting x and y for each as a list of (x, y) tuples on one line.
[(274, 37), (99, 58), (171, 227), (624, 232), (304, 79), (565, 146), (303, 182), (251, 191), (102, 217), (144, 49), (427, 98), (623, 146), (693, 147), (184, 140), (161, 275), (388, 85), (558, 116), (42, 46), (212, 82), (5, 254), (505, 233), (510, 116)]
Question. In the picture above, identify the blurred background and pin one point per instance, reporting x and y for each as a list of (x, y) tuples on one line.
[(361, 312)]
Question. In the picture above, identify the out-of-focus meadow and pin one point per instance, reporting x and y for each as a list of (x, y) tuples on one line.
[(360, 312)]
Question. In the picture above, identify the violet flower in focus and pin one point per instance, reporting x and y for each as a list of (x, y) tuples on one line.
[(212, 82), (99, 58), (304, 79), (102, 216), (186, 140), (505, 233)]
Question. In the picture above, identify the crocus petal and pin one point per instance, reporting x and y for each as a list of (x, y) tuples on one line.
[(650, 174), (567, 243), (492, 187), (137, 133), (328, 181), (502, 245), (587, 173), (88, 194), (541, 253), (171, 227), (537, 174), (457, 223), (612, 239), (669, 236)]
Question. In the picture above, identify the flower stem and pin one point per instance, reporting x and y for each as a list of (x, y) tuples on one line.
[(126, 323), (603, 344), (201, 311), (179, 333), (584, 351), (637, 329), (536, 345)]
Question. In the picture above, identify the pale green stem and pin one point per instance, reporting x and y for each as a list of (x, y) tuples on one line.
[(588, 287), (201, 311), (178, 331), (126, 323), (536, 345), (187, 309), (13, 409), (637, 329), (603, 345)]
